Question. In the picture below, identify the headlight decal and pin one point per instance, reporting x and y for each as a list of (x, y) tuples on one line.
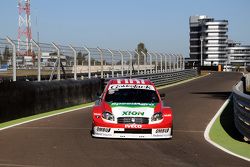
[(157, 116), (108, 116)]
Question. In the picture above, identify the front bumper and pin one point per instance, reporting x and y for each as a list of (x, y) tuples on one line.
[(106, 132)]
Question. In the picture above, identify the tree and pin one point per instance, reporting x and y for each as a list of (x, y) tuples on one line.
[(6, 55), (81, 58), (248, 68), (141, 48)]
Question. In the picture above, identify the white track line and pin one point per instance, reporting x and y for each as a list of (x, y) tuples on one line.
[(209, 126), (16, 165), (47, 116)]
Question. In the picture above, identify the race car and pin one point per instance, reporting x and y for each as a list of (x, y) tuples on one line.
[(131, 108)]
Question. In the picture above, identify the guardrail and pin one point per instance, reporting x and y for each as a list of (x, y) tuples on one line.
[(241, 110), (160, 79)]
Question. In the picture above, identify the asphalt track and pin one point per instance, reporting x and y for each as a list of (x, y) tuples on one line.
[(65, 140)]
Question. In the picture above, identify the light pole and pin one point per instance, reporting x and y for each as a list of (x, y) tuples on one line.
[(201, 39)]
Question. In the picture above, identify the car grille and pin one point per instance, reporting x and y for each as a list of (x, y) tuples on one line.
[(132, 120)]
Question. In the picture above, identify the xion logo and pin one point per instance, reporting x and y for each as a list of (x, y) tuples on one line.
[(128, 113), (133, 126)]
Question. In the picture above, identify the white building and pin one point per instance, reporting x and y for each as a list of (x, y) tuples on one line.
[(238, 55), (208, 40)]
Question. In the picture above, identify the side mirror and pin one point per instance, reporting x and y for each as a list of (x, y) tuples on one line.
[(163, 96), (98, 96), (98, 99)]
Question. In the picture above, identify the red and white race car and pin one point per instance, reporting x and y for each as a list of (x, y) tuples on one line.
[(131, 108)]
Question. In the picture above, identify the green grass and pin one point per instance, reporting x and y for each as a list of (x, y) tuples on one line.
[(21, 120), (224, 133)]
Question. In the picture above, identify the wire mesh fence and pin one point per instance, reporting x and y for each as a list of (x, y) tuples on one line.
[(58, 61)]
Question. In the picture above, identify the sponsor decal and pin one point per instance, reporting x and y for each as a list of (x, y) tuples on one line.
[(133, 105), (162, 130), (168, 115), (99, 129), (133, 126), (130, 86), (133, 113)]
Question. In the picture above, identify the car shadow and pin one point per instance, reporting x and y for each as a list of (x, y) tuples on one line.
[(214, 95)]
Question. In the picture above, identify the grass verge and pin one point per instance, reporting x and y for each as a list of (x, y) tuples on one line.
[(225, 134), (43, 115)]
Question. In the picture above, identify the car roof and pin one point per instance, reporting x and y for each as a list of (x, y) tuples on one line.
[(131, 81)]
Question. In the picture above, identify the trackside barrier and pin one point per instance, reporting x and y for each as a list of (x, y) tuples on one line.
[(20, 99), (241, 110), (160, 79)]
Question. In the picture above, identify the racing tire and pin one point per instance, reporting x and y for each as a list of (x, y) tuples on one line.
[(172, 131)]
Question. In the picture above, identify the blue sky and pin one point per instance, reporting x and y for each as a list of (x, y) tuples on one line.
[(163, 25)]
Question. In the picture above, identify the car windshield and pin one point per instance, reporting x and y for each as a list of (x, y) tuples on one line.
[(132, 96)]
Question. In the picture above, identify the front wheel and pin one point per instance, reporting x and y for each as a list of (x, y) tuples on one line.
[(172, 129)]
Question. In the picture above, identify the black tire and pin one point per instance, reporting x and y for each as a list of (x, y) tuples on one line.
[(172, 131)]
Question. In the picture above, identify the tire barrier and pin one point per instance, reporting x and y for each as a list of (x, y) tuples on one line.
[(241, 110), (20, 99)]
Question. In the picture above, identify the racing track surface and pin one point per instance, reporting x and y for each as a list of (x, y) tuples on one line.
[(65, 140)]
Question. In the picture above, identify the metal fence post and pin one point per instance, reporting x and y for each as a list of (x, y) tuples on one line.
[(180, 62), (183, 67), (89, 61), (150, 62), (138, 59), (13, 57), (165, 58), (112, 66), (38, 60), (177, 61), (156, 63), (75, 70), (131, 61), (101, 54), (174, 61), (170, 62), (58, 61), (121, 61), (161, 60), (145, 62)]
